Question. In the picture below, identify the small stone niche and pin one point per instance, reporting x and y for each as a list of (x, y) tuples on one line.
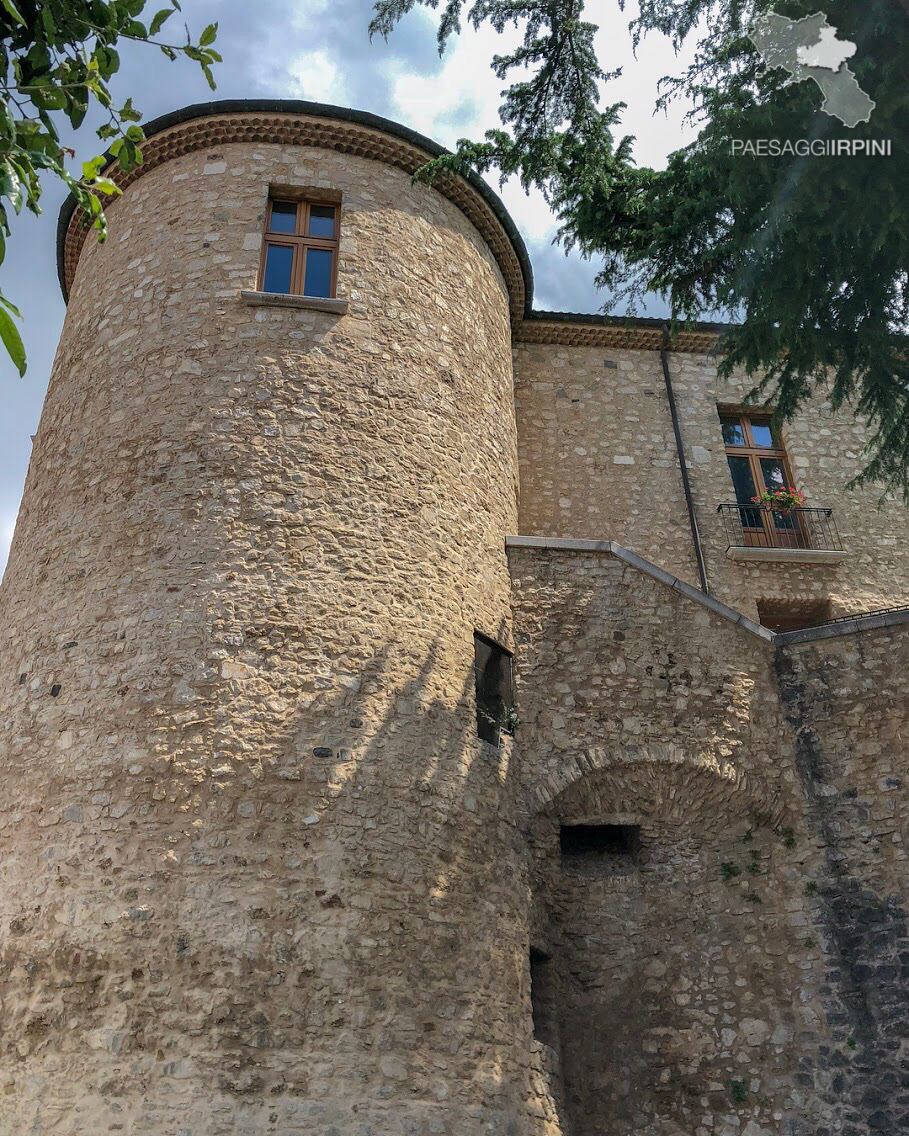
[(542, 998), (792, 615), (599, 849)]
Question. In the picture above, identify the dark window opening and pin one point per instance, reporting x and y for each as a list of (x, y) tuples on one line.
[(587, 848), (784, 615), (492, 671), (542, 998)]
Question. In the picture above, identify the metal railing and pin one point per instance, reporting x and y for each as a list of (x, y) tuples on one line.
[(761, 526)]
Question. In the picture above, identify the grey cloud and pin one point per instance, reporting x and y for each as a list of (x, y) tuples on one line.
[(566, 284)]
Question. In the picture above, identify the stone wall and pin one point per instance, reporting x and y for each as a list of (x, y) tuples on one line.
[(259, 875), (253, 854), (598, 461), (719, 980), (597, 453), (846, 700)]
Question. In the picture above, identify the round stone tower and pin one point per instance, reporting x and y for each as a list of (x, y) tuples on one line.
[(259, 873)]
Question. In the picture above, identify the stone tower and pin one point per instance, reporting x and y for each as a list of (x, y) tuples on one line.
[(259, 873)]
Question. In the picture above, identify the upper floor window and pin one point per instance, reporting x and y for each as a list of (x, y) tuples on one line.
[(756, 457), (757, 463), (300, 251)]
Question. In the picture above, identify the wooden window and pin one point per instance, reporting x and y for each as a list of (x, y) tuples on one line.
[(757, 461), (300, 250)]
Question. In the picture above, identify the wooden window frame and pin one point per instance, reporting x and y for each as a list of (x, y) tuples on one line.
[(766, 535), (300, 242)]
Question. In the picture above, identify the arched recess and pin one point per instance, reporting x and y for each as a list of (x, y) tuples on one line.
[(668, 922)]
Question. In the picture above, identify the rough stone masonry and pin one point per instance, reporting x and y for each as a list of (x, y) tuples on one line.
[(259, 873)]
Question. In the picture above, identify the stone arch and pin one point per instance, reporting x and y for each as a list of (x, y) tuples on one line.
[(631, 765)]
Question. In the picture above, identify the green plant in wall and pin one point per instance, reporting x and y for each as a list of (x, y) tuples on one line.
[(738, 1091), (57, 59), (730, 870)]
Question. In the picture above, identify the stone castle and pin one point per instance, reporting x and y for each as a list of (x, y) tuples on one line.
[(410, 724)]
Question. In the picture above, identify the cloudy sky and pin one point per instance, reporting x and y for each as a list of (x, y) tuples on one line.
[(319, 49)]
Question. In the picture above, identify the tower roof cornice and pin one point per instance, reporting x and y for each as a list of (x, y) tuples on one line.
[(299, 122), (302, 123)]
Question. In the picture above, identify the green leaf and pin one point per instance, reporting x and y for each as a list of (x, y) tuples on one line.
[(129, 113), (10, 185), (10, 306), (208, 35), (92, 168), (7, 123), (13, 11), (12, 341), (50, 30), (158, 20), (106, 185)]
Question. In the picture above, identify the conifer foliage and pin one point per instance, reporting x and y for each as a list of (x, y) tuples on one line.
[(807, 255)]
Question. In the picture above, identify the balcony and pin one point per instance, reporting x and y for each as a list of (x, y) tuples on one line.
[(799, 536)]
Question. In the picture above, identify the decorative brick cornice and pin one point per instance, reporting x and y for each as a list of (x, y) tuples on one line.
[(571, 329), (298, 123), (332, 128)]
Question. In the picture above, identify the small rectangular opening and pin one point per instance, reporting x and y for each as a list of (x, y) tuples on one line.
[(300, 249), (492, 672), (786, 615), (542, 999), (590, 848)]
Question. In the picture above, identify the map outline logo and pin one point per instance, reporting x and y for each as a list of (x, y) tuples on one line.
[(809, 48)]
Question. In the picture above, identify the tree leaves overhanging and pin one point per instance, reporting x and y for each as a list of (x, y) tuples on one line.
[(808, 256)]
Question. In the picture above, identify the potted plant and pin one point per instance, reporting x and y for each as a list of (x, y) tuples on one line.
[(782, 500)]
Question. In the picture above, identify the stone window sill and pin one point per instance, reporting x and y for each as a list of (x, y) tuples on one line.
[(786, 555), (307, 303)]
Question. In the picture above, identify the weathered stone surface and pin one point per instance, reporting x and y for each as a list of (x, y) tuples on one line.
[(258, 875), (745, 970), (248, 849), (578, 422)]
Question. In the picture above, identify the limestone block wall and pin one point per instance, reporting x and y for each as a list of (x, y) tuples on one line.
[(846, 699), (598, 461), (257, 870), (597, 453), (728, 978)]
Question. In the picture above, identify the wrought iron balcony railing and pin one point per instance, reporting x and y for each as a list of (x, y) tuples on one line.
[(761, 526)]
